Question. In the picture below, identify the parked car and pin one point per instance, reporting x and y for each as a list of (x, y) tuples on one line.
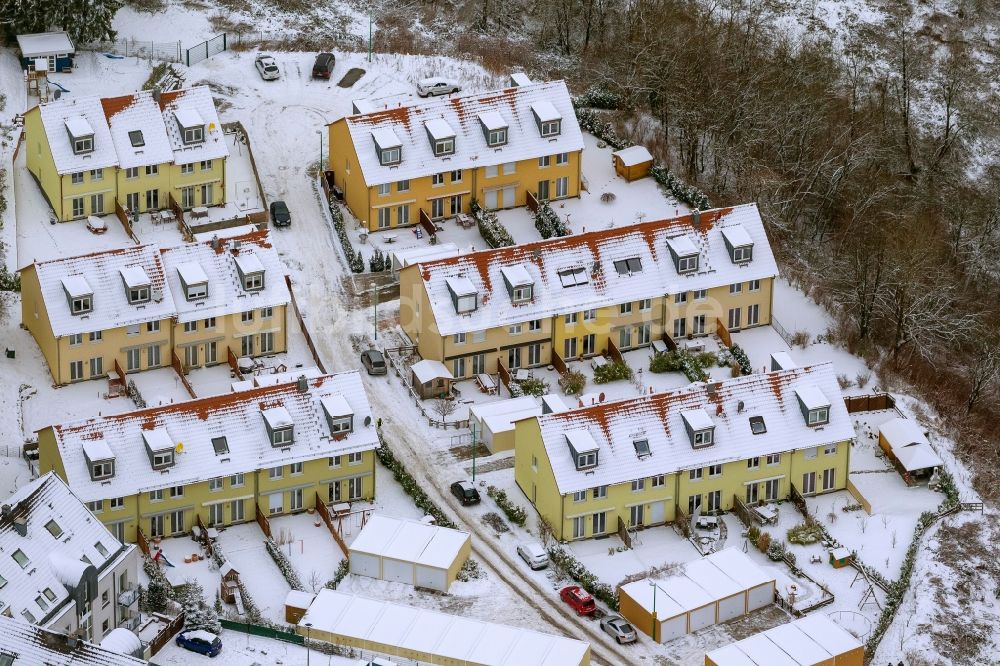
[(465, 492), (200, 641), (578, 599), (323, 67), (280, 216), (267, 67), (373, 361), (619, 628), (533, 554), (436, 86)]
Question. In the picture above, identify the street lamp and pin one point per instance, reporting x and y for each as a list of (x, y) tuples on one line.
[(308, 626), (375, 306), (652, 584), (321, 169)]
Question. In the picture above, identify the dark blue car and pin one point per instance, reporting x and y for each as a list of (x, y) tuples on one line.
[(202, 642)]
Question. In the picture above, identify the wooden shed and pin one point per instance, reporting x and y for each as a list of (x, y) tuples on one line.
[(632, 163), (54, 48), (296, 604), (431, 379), (904, 441), (230, 584), (840, 557)]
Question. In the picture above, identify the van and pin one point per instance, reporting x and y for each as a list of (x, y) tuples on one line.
[(533, 555), (323, 67)]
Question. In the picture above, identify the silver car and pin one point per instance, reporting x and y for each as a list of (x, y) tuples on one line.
[(267, 67), (437, 86), (619, 628)]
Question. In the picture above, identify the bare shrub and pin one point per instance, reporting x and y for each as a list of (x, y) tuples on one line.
[(844, 381), (801, 338), (863, 378)]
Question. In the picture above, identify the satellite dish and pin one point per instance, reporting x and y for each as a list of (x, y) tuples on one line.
[(179, 448), (368, 421), (211, 127)]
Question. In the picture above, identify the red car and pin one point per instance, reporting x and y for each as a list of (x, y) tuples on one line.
[(579, 599)]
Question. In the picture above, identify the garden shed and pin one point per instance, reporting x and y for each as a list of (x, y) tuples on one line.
[(432, 637), (814, 640), (492, 423), (714, 589), (632, 163), (297, 603), (431, 379), (409, 551), (904, 441), (55, 48)]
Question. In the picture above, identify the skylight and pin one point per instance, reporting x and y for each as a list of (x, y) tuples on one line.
[(641, 447), (570, 277), (101, 549), (54, 529), (628, 266), (20, 558), (135, 137), (757, 425), (220, 445)]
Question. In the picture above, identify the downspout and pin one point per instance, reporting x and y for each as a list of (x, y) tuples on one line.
[(62, 200), (59, 360), (770, 307)]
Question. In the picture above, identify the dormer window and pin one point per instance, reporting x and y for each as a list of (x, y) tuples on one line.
[(388, 146), (251, 271), (194, 281), (547, 118), (583, 448), (100, 459), (641, 447), (738, 243), (628, 266), (685, 254), (494, 129), (814, 405), (79, 295), (137, 287), (463, 294), (339, 414), (699, 426), (442, 136), (159, 448), (519, 284), (192, 126), (280, 427), (81, 135)]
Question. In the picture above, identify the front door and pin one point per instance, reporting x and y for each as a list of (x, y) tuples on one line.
[(809, 483), (152, 199), (600, 523), (508, 196), (514, 358), (635, 516)]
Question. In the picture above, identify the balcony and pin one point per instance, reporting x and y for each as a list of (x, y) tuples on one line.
[(131, 623), (128, 597)]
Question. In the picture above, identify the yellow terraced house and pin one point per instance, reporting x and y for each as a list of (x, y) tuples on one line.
[(142, 151), (582, 295), (429, 160), (271, 449), (632, 463), (119, 311)]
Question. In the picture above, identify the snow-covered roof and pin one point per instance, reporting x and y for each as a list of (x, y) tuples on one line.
[(405, 126), (414, 255), (683, 246), (451, 637), (134, 276), (492, 120), (581, 440), (545, 111), (97, 449), (299, 599), (83, 115), (697, 419), (594, 255), (439, 129), (277, 417), (909, 444), (337, 405), (516, 275), (612, 426), (410, 541), (189, 106), (633, 155), (738, 566), (812, 639), (100, 274), (228, 232), (737, 236), (201, 262), (500, 415), (784, 360), (520, 79), (195, 423), (812, 396), (137, 129), (42, 44), (461, 285), (364, 105), (34, 645), (429, 369), (121, 641), (54, 553)]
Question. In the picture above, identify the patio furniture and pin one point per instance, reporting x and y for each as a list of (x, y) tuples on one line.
[(706, 522), (693, 346), (389, 238), (165, 216), (341, 508), (199, 211), (521, 374), (486, 383), (659, 347), (598, 362), (96, 225), (768, 513), (465, 221)]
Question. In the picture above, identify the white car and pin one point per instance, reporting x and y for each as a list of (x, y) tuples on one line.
[(267, 67), (533, 554), (436, 86)]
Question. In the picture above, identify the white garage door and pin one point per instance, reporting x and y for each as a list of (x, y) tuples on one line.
[(761, 596), (491, 199), (434, 579), (732, 607), (365, 565), (703, 617), (508, 196), (673, 628), (395, 570)]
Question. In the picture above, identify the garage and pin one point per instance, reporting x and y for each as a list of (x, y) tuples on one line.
[(635, 603), (759, 584), (410, 552), (730, 596)]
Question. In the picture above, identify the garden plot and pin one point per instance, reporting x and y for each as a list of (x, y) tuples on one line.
[(308, 546), (240, 649), (176, 550), (243, 546), (162, 386)]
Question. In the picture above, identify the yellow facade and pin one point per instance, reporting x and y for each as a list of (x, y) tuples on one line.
[(226, 500), (577, 334), (573, 516), (144, 188), (452, 190), (206, 342)]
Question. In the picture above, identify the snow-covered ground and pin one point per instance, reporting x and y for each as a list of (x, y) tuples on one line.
[(239, 649)]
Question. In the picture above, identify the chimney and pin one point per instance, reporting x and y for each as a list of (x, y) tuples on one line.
[(302, 384), (215, 242), (156, 94), (696, 218), (21, 525)]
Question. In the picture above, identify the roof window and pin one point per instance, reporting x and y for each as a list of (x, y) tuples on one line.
[(628, 266), (53, 527), (570, 277), (641, 447), (136, 139), (757, 426), (220, 445), (21, 558)]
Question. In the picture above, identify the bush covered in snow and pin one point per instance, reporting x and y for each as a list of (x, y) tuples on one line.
[(533, 386), (157, 595), (354, 259), (572, 382), (597, 97), (379, 262), (805, 534), (470, 571), (548, 222), (284, 564), (490, 228), (741, 359), (410, 485), (197, 613), (680, 360), (611, 372), (343, 569), (514, 513), (563, 560)]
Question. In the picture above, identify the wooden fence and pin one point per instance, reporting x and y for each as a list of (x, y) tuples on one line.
[(233, 362), (504, 374), (614, 353), (558, 363), (723, 333), (869, 403), (203, 536), (166, 634), (122, 216), (265, 524), (302, 325), (742, 511), (324, 512), (178, 367), (531, 201), (682, 520), (140, 539)]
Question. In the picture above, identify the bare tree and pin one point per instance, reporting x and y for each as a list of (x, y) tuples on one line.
[(444, 408), (985, 372)]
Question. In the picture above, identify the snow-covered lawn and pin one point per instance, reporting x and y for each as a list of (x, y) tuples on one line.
[(239, 649), (204, 571), (243, 546), (310, 548)]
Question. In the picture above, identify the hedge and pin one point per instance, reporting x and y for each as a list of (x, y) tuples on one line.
[(286, 568), (410, 485), (741, 358), (354, 259), (490, 227), (681, 360), (572, 567), (548, 222), (612, 372), (343, 569), (514, 513)]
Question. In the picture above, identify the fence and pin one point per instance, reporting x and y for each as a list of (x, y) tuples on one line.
[(242, 138), (723, 333), (264, 632), (175, 363), (122, 216), (302, 325), (265, 524), (869, 403), (206, 49), (11, 450), (166, 634), (166, 51), (324, 513), (782, 331)]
